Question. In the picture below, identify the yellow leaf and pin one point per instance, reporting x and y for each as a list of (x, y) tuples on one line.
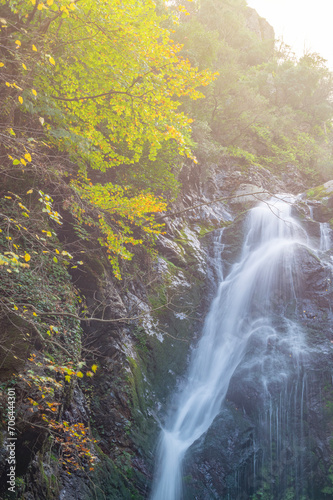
[(34, 314), (1, 64), (34, 92), (24, 66), (94, 368), (27, 257), (67, 378), (79, 374), (52, 61), (27, 156), (22, 160), (34, 48), (40, 6), (49, 2), (30, 191), (20, 99), (18, 43)]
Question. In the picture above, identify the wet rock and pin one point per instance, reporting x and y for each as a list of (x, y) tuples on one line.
[(293, 180), (143, 359), (320, 201), (171, 251), (328, 186), (268, 412), (249, 194), (195, 253), (213, 459)]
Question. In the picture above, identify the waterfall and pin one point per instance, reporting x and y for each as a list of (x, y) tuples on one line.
[(247, 329), (325, 236)]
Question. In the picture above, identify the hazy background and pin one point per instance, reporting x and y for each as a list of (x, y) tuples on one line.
[(303, 24)]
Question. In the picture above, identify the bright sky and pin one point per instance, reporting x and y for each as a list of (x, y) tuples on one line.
[(303, 24)]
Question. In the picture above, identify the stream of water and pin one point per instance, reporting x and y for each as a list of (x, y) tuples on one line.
[(258, 287)]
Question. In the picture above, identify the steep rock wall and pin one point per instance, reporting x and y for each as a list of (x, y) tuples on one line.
[(142, 346)]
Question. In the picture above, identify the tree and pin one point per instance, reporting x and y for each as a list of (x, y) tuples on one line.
[(265, 106), (106, 80), (108, 77)]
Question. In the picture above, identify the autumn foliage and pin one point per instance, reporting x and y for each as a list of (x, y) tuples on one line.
[(91, 97), (105, 81)]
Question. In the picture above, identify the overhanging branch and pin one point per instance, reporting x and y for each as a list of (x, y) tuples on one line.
[(216, 200)]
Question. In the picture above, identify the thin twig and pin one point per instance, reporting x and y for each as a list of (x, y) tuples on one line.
[(207, 203)]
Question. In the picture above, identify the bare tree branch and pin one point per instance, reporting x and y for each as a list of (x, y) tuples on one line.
[(207, 203)]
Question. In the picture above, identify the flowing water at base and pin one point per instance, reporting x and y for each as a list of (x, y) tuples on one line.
[(243, 320)]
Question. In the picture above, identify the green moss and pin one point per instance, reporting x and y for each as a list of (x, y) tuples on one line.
[(144, 429), (172, 268), (209, 228), (14, 344), (95, 265), (140, 334), (157, 296), (48, 482), (110, 481), (317, 193), (158, 293)]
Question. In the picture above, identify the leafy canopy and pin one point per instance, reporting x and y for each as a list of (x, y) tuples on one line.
[(106, 81), (109, 77), (265, 106)]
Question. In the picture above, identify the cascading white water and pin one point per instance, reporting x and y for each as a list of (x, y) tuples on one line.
[(325, 236), (240, 311)]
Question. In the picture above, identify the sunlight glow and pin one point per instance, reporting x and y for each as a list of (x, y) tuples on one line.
[(305, 25)]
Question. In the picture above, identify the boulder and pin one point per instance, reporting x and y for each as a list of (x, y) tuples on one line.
[(249, 194)]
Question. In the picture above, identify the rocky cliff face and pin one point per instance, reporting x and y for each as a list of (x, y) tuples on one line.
[(227, 460), (259, 447), (142, 348), (272, 439), (259, 25)]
